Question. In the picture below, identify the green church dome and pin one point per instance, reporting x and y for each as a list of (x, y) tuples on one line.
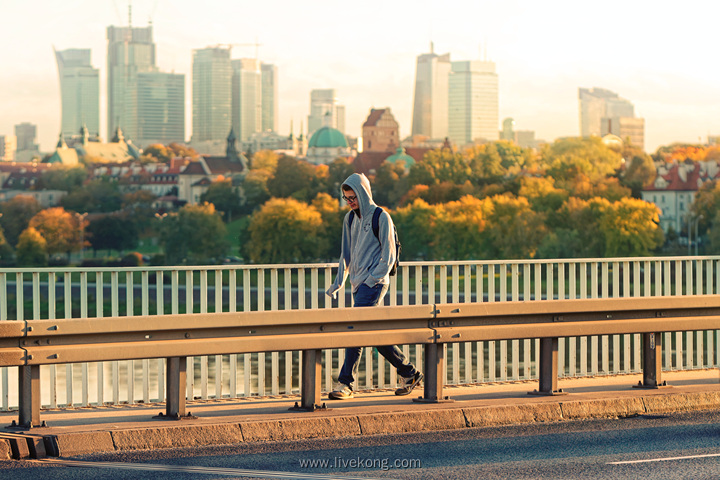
[(401, 155), (328, 137)]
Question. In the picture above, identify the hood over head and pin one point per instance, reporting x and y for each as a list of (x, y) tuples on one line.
[(361, 186)]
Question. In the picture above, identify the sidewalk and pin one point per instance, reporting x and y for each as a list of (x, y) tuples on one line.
[(78, 431)]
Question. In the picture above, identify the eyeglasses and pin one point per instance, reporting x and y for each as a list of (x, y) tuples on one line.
[(349, 199)]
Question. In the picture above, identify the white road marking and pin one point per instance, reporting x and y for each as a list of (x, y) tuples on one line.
[(666, 459)]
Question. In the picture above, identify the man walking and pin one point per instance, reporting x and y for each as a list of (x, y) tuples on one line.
[(367, 260)]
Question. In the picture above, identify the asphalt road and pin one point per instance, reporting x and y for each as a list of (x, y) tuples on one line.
[(659, 447)]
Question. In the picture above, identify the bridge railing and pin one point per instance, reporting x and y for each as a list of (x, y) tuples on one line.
[(51, 293)]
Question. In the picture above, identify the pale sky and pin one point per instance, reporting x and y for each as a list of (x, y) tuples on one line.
[(660, 55)]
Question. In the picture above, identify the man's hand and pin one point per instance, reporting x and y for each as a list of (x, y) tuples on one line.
[(332, 291)]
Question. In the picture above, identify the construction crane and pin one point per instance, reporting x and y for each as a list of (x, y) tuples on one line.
[(230, 45)]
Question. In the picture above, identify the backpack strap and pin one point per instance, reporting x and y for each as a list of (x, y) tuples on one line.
[(352, 216), (376, 222)]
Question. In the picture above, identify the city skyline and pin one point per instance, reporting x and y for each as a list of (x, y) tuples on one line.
[(543, 51)]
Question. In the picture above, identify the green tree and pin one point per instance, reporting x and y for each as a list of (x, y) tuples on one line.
[(31, 249), (339, 171), (16, 214), (60, 229), (567, 158), (542, 194), (438, 166), (195, 235), (112, 233), (390, 184), (486, 163), (64, 178), (330, 231), (224, 196), (97, 196), (255, 189), (285, 230), (639, 171), (294, 178)]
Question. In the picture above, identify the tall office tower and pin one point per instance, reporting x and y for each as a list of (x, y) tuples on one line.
[(430, 107), (79, 91), (269, 97), (26, 134), (212, 94), (473, 112), (246, 98), (325, 111), (160, 108), (130, 51), (604, 112), (8, 147)]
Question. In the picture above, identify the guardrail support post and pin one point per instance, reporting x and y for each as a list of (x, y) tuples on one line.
[(652, 361), (434, 374), (548, 368), (310, 383), (29, 392), (176, 384)]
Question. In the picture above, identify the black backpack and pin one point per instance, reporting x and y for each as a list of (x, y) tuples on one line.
[(376, 231)]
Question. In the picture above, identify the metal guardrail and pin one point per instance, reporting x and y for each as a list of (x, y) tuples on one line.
[(31, 343)]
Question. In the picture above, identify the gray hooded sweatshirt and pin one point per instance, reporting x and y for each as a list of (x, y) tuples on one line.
[(363, 258)]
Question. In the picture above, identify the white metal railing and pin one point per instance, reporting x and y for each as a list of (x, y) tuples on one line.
[(102, 292)]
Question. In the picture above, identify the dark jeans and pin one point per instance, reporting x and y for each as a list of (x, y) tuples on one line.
[(370, 297)]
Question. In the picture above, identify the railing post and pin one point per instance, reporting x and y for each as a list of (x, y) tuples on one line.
[(176, 384), (434, 374), (29, 393), (652, 361), (310, 383), (548, 368)]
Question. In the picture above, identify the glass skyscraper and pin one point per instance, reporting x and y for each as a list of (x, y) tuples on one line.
[(79, 92)]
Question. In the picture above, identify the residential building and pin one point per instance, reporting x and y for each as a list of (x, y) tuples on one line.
[(269, 100), (325, 111), (79, 91), (8, 147), (160, 108), (674, 190), (604, 112), (473, 102), (430, 106), (211, 95), (130, 51)]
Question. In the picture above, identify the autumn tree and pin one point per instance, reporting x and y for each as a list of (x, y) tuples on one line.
[(631, 228), (330, 231), (6, 250), (513, 229), (390, 184), (60, 229), (265, 160), (31, 249), (567, 158), (16, 214), (415, 226), (457, 229), (284, 230), (195, 235)]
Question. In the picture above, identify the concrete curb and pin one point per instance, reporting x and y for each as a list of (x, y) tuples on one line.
[(453, 418)]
